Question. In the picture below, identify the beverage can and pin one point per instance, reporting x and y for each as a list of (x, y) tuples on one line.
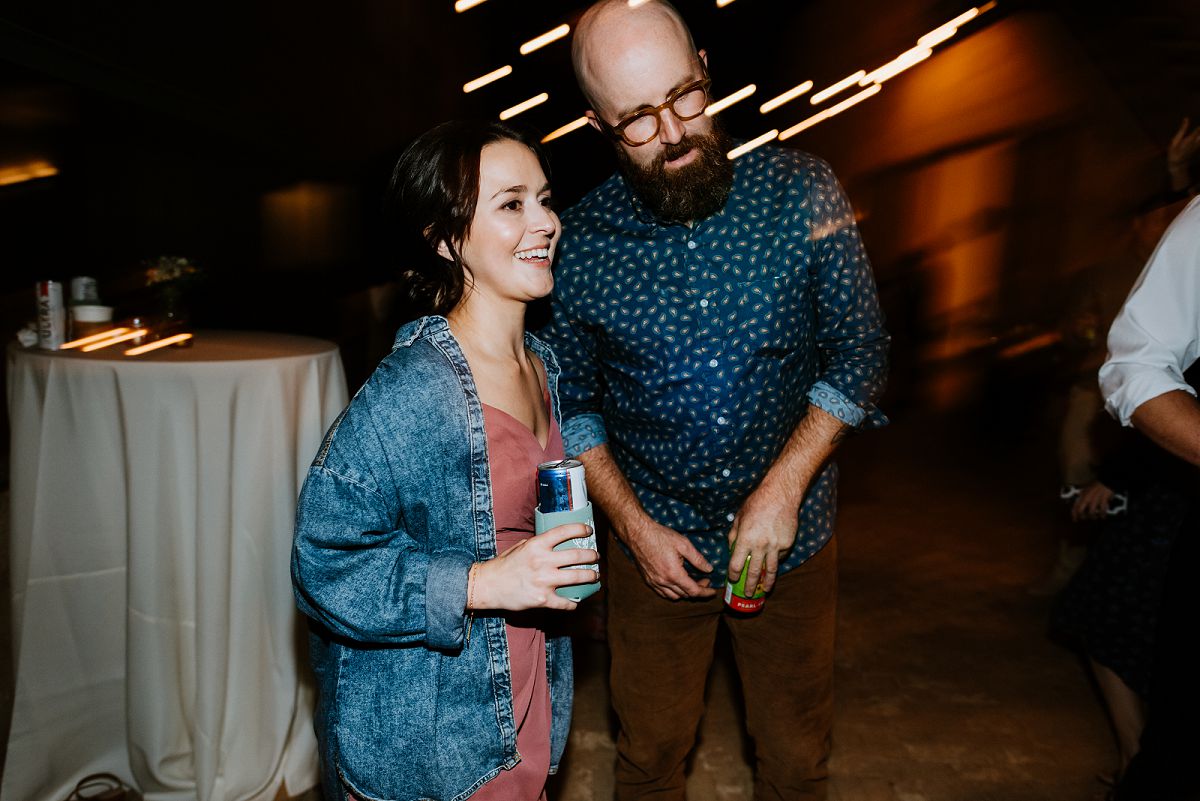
[(736, 597), (51, 315), (562, 498), (560, 486), (84, 291)]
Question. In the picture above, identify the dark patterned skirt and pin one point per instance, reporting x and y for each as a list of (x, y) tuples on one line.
[(1109, 610)]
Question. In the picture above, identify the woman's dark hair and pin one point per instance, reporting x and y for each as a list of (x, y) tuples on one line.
[(432, 194)]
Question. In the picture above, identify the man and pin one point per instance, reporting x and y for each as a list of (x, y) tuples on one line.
[(718, 329), (1152, 343)]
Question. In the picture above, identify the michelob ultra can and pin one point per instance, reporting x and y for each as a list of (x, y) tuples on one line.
[(562, 498), (736, 597), (51, 315)]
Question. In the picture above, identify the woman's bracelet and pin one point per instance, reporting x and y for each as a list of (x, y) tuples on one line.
[(471, 586)]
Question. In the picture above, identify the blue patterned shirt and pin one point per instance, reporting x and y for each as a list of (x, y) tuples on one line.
[(694, 351)]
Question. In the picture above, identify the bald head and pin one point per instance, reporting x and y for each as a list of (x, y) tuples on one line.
[(614, 43)]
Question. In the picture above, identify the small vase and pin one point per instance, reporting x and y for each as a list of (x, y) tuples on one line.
[(172, 304)]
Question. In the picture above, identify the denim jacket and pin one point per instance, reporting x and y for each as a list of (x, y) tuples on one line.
[(414, 699)]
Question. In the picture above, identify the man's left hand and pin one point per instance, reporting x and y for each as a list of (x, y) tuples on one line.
[(764, 530)]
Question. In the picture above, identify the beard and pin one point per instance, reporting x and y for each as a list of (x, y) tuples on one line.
[(691, 192)]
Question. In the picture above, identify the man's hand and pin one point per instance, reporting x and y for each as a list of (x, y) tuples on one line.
[(764, 530), (659, 554)]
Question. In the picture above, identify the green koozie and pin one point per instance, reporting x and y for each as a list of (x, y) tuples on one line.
[(545, 522)]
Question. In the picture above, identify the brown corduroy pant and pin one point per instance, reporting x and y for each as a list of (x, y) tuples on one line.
[(661, 654)]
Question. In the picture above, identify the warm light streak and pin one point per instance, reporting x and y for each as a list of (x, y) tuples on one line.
[(462, 5), (160, 343), (104, 343), (573, 125), (821, 116), (545, 39), (726, 102), (757, 141), (484, 80), (26, 172), (786, 97), (1030, 345), (944, 32), (896, 66), (840, 86), (76, 343), (723, 3), (537, 100)]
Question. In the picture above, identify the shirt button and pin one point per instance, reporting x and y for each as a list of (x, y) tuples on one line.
[(726, 472), (721, 421), (692, 244), (704, 303), (712, 362)]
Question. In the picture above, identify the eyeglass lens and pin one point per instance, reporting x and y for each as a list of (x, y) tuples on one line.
[(644, 127)]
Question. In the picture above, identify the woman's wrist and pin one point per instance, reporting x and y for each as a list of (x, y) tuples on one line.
[(472, 583)]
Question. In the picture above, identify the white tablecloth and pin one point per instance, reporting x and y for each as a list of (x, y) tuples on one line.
[(153, 501)]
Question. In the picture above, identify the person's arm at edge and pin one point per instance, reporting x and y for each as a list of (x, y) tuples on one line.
[(1172, 420)]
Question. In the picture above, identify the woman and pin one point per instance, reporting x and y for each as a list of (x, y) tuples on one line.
[(413, 551)]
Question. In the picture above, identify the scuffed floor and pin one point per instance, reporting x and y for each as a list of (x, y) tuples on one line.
[(948, 688)]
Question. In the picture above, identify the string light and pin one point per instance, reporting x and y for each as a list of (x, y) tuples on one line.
[(113, 340), (78, 343), (821, 116), (896, 66), (757, 141), (726, 102), (513, 111), (160, 343), (546, 38), (484, 80), (843, 84), (462, 5), (944, 32), (573, 125), (786, 97)]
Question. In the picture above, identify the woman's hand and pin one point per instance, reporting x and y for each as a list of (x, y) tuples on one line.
[(1092, 502), (526, 575)]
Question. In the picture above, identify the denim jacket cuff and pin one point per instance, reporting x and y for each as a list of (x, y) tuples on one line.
[(446, 598), (583, 432)]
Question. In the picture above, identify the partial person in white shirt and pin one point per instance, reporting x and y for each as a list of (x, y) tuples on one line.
[(1152, 343), (1155, 338)]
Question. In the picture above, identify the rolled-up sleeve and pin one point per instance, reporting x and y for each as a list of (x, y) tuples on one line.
[(850, 332), (1155, 337)]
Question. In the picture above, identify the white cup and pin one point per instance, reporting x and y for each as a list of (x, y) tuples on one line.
[(87, 320)]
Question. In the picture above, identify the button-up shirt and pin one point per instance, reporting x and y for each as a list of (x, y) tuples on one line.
[(694, 351), (1156, 335)]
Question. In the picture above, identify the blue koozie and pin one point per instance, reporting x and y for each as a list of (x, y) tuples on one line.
[(545, 522)]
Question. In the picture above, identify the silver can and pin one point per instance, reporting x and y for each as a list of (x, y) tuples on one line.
[(52, 315), (560, 486), (84, 291)]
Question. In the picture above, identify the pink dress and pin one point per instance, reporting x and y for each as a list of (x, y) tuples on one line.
[(513, 456)]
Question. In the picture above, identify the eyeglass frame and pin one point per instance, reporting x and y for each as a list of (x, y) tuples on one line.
[(618, 131)]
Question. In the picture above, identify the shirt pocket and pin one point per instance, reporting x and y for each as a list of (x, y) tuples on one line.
[(770, 317)]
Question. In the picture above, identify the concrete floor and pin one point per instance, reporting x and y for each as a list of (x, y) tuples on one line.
[(948, 688)]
